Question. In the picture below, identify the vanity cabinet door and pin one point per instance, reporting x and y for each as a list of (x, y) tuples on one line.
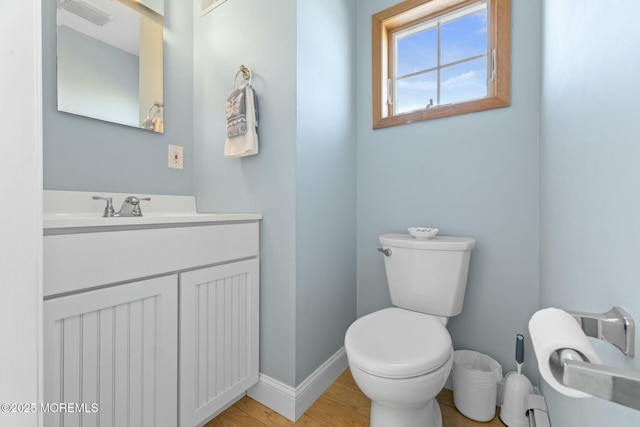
[(113, 352), (218, 338)]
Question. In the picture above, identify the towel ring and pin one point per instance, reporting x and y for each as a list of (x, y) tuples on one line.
[(246, 74)]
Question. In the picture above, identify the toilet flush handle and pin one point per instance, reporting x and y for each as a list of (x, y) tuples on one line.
[(386, 252)]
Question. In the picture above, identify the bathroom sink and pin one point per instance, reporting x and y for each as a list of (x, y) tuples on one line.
[(77, 209)]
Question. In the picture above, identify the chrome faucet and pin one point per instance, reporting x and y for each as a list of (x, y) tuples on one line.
[(130, 206)]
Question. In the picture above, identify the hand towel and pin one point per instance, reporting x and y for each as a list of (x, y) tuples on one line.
[(158, 125), (237, 112), (242, 122)]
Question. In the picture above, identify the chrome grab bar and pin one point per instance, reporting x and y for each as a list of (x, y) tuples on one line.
[(615, 327), (617, 385)]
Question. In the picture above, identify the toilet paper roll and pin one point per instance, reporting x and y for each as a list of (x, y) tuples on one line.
[(552, 329)]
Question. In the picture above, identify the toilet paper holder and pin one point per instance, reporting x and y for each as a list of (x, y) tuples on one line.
[(618, 385), (615, 326)]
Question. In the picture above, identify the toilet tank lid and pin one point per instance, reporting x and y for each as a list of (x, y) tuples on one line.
[(437, 243)]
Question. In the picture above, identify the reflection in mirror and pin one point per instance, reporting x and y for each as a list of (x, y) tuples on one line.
[(155, 5), (110, 62)]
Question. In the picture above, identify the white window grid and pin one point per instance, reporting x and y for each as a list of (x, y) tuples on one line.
[(437, 23)]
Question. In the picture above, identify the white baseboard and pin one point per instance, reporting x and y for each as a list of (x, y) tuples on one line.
[(293, 402), (275, 395)]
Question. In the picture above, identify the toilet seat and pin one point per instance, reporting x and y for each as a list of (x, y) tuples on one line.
[(397, 343)]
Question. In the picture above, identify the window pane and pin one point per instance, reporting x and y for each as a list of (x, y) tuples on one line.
[(463, 38), (463, 82), (415, 93), (417, 52)]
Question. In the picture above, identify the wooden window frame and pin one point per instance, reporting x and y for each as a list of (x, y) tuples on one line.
[(411, 12)]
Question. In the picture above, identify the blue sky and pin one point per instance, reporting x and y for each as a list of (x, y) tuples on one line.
[(460, 39)]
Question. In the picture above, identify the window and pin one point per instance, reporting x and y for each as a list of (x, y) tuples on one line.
[(439, 58)]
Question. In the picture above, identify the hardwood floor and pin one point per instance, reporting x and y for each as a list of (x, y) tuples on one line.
[(341, 405)]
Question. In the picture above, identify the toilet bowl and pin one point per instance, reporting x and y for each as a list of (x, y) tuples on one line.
[(400, 359)]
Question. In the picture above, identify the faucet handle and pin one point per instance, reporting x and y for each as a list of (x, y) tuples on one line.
[(133, 200), (108, 209)]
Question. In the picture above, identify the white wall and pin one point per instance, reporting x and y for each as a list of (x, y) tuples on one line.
[(590, 178), (20, 209)]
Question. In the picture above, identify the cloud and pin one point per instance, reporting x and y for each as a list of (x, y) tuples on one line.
[(460, 81), (414, 94), (422, 85)]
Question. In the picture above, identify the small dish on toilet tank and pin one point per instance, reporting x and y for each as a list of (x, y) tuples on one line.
[(422, 232)]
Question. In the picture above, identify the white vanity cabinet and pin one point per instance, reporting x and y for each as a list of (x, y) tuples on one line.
[(114, 351), (218, 338), (156, 323)]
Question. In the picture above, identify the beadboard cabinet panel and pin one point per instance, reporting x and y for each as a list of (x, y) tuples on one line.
[(114, 352), (218, 338)]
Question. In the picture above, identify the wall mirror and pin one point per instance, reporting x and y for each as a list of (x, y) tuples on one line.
[(110, 61)]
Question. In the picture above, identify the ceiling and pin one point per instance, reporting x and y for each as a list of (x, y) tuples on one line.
[(123, 31)]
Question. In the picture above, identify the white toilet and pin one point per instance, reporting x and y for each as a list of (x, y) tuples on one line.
[(400, 357)]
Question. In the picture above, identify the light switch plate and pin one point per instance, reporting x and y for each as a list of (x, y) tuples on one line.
[(175, 157)]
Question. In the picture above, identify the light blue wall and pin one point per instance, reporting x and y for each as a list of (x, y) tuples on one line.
[(89, 71), (303, 180), (590, 178), (472, 175), (325, 181), (261, 35), (85, 154)]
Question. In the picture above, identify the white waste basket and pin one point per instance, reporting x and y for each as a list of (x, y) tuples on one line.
[(475, 382)]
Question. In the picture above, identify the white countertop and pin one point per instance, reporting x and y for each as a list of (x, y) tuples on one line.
[(75, 221), (75, 209)]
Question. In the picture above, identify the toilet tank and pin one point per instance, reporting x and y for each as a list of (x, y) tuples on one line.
[(428, 276)]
